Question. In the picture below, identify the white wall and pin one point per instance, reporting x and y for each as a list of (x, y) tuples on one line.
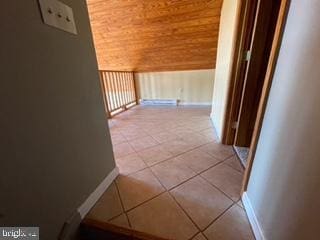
[(284, 187), (227, 34), (190, 87)]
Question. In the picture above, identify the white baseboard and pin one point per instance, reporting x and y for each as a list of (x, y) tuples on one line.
[(257, 230), (195, 103), (159, 102), (96, 194)]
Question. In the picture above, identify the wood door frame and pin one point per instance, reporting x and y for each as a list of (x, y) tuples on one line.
[(264, 16), (234, 92), (276, 43), (234, 95)]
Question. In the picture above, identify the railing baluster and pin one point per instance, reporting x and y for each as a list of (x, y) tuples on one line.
[(107, 83), (115, 89), (127, 88), (107, 91), (131, 87), (135, 93), (104, 95), (112, 91), (122, 90), (119, 90)]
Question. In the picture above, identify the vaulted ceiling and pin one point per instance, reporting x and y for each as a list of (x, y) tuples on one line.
[(155, 35)]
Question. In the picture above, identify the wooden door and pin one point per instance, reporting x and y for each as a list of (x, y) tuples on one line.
[(257, 61)]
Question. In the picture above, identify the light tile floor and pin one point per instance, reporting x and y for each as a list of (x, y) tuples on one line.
[(176, 181)]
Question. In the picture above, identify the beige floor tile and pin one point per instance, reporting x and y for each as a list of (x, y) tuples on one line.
[(202, 202), (172, 172), (143, 143), (138, 187), (200, 126), (108, 206), (162, 217), (118, 138), (234, 162), (230, 226), (177, 146), (210, 134), (199, 236), (130, 164), (197, 160), (122, 149), (154, 155), (164, 136), (121, 221), (131, 134), (155, 130), (168, 125), (226, 179), (181, 131), (158, 134), (194, 139), (218, 150), (114, 131)]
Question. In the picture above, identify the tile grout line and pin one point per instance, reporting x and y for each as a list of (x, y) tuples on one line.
[(123, 209), (128, 210), (235, 168), (200, 231), (197, 174), (217, 218), (178, 137), (194, 235), (174, 156), (168, 190), (185, 212), (217, 188)]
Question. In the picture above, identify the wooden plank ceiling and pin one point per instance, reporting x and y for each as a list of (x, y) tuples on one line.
[(155, 35)]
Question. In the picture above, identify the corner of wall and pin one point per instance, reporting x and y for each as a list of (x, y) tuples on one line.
[(216, 129)]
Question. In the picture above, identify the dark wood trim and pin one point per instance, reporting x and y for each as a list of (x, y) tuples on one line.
[(282, 16), (114, 71), (264, 19), (137, 235), (246, 10), (103, 88), (135, 88), (171, 70)]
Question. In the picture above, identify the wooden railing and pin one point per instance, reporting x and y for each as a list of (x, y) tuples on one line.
[(119, 91)]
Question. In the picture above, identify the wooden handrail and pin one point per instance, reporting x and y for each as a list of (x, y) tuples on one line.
[(119, 90), (115, 71)]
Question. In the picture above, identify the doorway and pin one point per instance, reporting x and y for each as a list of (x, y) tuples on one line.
[(259, 33), (256, 33)]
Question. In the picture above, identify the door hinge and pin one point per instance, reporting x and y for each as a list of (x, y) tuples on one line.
[(247, 55), (235, 125)]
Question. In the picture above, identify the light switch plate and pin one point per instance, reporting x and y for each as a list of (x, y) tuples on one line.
[(58, 14)]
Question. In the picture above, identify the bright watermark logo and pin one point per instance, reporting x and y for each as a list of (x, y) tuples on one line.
[(26, 233)]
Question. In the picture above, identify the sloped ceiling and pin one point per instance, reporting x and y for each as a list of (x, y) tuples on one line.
[(155, 35)]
